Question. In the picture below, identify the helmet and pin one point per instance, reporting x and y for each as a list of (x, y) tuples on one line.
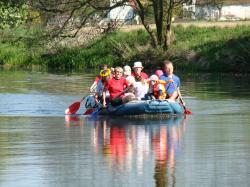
[(105, 72), (153, 78)]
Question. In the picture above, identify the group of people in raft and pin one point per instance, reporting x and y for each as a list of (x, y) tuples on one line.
[(119, 85)]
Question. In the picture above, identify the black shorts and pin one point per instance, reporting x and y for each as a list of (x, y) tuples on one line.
[(116, 101)]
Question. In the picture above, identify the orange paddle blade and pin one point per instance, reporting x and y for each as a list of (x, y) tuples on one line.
[(89, 111), (187, 111)]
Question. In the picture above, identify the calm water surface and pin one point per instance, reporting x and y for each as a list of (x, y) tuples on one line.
[(39, 146)]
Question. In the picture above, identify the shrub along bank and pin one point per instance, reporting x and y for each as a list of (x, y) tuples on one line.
[(193, 49)]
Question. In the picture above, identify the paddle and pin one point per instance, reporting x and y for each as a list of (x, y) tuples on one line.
[(186, 110), (72, 109)]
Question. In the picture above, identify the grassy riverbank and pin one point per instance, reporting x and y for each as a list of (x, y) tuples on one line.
[(209, 49)]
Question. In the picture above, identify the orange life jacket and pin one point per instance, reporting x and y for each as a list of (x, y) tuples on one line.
[(159, 85)]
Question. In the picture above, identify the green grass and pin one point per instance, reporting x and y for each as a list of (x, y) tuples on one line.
[(215, 49), (193, 49), (20, 47)]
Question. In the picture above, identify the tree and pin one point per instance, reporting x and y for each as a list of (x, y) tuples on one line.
[(73, 15), (84, 10), (77, 14), (163, 11), (218, 4), (12, 13)]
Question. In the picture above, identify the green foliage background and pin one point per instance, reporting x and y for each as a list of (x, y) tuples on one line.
[(12, 14), (193, 49)]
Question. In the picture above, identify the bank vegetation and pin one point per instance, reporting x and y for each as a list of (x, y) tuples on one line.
[(206, 49)]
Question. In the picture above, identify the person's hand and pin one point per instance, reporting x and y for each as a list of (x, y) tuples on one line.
[(182, 102), (92, 90), (171, 80), (131, 86), (104, 104)]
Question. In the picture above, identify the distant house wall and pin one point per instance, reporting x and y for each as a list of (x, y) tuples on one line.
[(122, 13), (240, 11), (59, 20), (227, 12)]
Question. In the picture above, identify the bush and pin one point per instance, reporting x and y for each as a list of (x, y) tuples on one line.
[(194, 49)]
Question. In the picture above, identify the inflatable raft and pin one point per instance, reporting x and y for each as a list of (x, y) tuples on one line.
[(151, 107)]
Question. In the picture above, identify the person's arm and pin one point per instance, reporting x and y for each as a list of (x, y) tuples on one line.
[(96, 97), (179, 92), (128, 87), (104, 98), (105, 88), (98, 91), (93, 86)]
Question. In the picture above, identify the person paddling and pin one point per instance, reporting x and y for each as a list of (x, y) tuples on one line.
[(105, 75), (173, 81), (97, 78)]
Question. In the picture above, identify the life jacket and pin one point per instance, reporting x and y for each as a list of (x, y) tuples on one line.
[(159, 85)]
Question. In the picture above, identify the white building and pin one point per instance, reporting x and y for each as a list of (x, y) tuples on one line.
[(121, 13), (227, 10)]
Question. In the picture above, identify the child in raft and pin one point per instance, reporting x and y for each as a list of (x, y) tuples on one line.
[(156, 88)]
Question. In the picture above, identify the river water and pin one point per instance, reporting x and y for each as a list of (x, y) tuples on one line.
[(39, 146)]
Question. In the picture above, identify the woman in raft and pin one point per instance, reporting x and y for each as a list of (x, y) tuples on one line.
[(117, 87)]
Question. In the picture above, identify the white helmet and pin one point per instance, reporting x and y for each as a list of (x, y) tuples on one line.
[(153, 78)]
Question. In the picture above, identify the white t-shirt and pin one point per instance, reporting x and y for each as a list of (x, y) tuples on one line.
[(130, 79), (141, 89)]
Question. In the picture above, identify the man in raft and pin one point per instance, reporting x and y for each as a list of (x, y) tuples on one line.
[(173, 81)]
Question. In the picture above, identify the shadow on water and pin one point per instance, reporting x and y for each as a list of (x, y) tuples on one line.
[(145, 145)]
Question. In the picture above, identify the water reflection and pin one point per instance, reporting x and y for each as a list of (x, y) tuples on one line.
[(138, 145), (71, 120)]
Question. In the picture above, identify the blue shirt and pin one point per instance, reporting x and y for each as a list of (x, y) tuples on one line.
[(171, 87), (100, 88)]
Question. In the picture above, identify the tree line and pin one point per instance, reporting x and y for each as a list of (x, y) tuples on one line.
[(157, 12)]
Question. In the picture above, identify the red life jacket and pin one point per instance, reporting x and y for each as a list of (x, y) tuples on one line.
[(156, 88)]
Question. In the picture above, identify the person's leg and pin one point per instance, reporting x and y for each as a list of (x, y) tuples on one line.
[(128, 97), (173, 96), (116, 101)]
